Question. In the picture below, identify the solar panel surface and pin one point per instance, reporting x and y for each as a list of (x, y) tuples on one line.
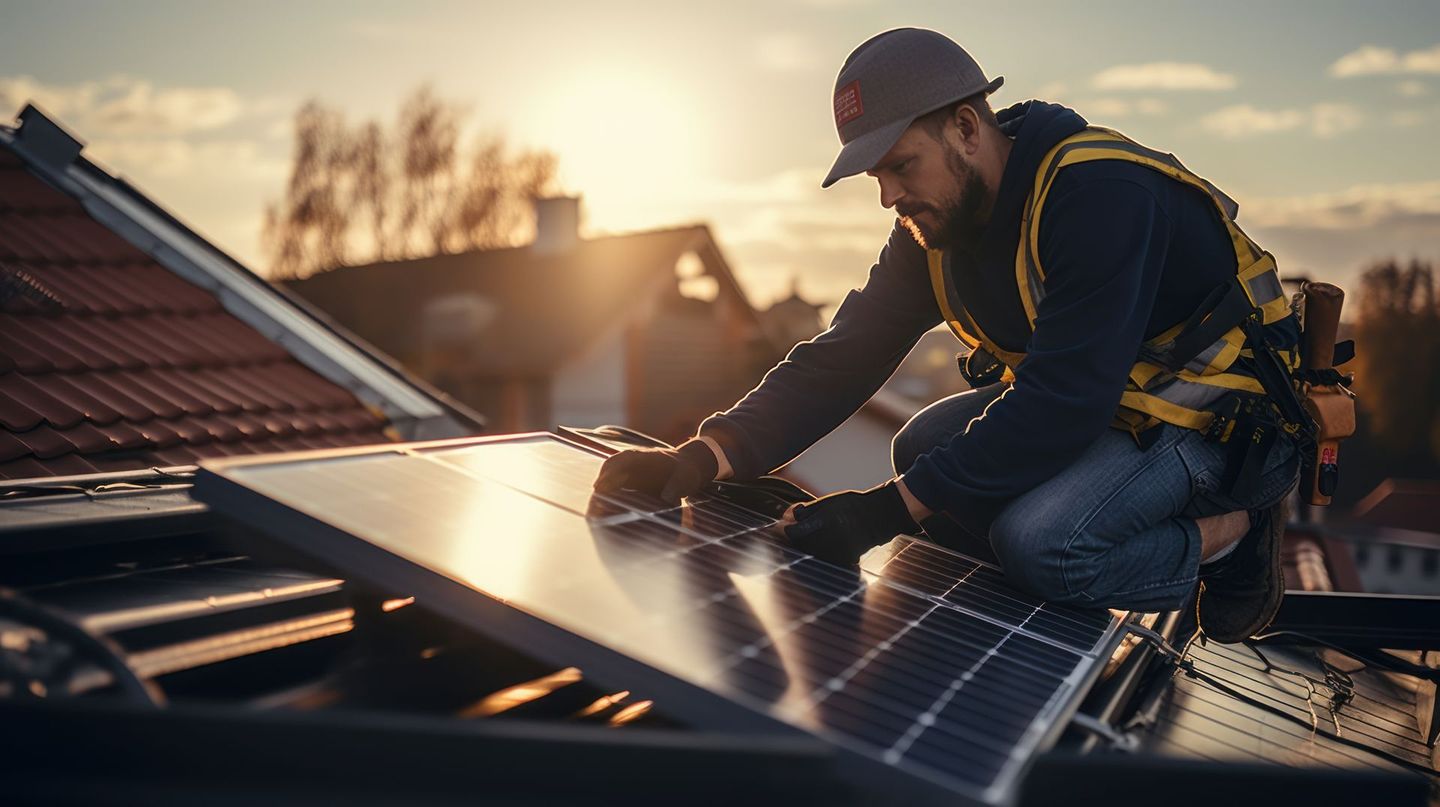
[(925, 663)]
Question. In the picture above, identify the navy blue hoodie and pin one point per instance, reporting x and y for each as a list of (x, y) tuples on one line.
[(1127, 253)]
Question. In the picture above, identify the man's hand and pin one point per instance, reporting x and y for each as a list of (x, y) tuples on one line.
[(841, 527), (670, 473)]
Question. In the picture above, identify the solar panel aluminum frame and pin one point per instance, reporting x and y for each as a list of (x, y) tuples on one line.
[(506, 622)]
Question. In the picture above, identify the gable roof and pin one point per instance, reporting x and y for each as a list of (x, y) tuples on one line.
[(575, 293), (111, 361)]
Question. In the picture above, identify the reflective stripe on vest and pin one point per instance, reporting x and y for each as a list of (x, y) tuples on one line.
[(1154, 393)]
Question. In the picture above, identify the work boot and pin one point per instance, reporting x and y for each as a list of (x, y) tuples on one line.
[(1240, 595)]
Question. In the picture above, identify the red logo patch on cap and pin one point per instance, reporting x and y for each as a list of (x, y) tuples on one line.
[(847, 103)]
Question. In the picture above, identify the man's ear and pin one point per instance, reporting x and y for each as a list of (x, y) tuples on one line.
[(965, 129)]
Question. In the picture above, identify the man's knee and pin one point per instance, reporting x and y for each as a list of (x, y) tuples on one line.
[(1043, 556), (905, 448)]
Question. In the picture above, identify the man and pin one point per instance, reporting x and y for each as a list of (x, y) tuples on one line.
[(1085, 264)]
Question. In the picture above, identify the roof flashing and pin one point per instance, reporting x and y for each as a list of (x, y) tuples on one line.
[(45, 142)]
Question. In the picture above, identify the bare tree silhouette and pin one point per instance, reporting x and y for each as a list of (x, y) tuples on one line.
[(366, 193), (1398, 361)]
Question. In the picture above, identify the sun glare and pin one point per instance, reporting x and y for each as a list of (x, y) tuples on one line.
[(627, 141)]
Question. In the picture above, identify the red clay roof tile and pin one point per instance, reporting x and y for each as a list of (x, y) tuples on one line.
[(154, 403), (10, 447), (23, 192), (88, 439), (191, 431), (70, 465), (118, 363), (101, 387), (65, 388), (124, 436), (171, 384), (220, 428), (46, 443), (102, 331), (24, 468), (159, 434), (49, 336), (30, 405), (22, 355)]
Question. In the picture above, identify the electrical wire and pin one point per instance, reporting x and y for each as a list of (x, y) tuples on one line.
[(1390, 663), (1186, 665)]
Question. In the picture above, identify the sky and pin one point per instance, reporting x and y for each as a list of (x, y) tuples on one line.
[(1318, 117)]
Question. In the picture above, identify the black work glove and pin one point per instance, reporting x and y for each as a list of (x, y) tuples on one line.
[(670, 473), (841, 527)]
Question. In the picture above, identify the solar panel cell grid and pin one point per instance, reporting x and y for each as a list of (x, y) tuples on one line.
[(927, 663)]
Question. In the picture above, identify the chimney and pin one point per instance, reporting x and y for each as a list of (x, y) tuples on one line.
[(557, 224)]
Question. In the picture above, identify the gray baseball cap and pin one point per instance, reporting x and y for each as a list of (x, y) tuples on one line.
[(889, 81)]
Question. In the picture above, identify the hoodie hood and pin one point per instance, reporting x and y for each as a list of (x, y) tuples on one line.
[(985, 279), (1035, 126)]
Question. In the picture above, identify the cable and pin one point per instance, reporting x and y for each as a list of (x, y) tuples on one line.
[(1187, 666), (1390, 663), (103, 650)]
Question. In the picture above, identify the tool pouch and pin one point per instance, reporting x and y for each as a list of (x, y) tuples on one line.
[(1332, 407)]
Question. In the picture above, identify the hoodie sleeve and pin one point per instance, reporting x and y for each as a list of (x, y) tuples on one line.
[(825, 380), (1103, 245)]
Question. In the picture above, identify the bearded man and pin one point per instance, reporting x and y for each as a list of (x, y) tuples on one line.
[(1094, 280)]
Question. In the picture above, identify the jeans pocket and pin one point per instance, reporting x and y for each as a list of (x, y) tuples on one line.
[(1279, 475), (1204, 462)]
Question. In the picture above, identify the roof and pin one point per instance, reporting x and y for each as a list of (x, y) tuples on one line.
[(576, 292), (111, 361), (1405, 504)]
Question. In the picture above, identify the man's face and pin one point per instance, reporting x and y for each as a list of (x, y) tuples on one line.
[(937, 193)]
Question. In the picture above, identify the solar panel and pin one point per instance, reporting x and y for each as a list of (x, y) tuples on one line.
[(925, 665)]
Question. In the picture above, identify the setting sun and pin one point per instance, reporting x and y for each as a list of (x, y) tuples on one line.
[(627, 139)]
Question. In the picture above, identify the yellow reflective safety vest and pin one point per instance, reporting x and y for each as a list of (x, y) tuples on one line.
[(1157, 391)]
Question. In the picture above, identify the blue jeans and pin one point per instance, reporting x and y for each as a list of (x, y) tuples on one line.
[(1116, 528)]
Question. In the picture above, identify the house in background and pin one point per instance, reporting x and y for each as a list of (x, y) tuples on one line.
[(793, 319), (647, 330)]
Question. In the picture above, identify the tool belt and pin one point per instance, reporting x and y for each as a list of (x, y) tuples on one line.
[(1313, 407)]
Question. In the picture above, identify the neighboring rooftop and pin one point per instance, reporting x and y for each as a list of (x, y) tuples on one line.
[(575, 291)]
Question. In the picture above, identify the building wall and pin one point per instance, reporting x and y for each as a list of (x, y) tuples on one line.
[(686, 361), (589, 390), (1388, 567)]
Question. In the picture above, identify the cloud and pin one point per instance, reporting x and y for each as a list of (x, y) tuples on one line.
[(126, 106), (1329, 120), (1355, 208), (1162, 76), (1244, 120), (1411, 88), (1121, 107), (223, 161), (1333, 235), (1370, 60), (1052, 90), (787, 53)]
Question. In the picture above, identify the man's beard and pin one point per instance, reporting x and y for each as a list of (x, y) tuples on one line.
[(961, 218)]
